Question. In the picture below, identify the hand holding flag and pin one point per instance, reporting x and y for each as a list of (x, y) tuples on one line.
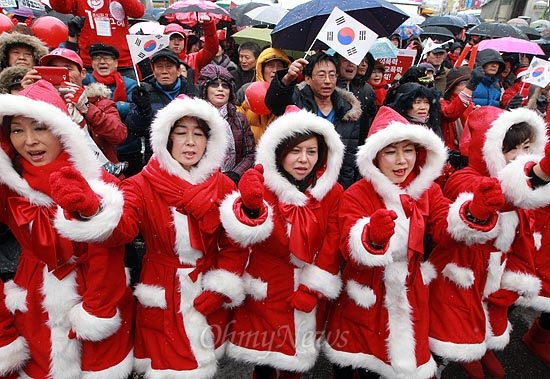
[(347, 36)]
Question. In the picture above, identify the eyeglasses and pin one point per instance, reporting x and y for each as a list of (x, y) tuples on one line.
[(322, 76), (224, 85), (106, 58)]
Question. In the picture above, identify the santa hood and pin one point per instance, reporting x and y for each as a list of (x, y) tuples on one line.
[(215, 147), (288, 125), (488, 126), (389, 127), (41, 102)]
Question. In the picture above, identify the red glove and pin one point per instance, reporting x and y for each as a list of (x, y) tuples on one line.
[(503, 297), (488, 198), (72, 192), (197, 200), (544, 163), (251, 187), (209, 302), (381, 227), (303, 299)]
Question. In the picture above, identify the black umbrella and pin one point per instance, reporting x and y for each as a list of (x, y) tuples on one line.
[(299, 28), (470, 19), (531, 33), (495, 30), (437, 33), (238, 13), (545, 44), (454, 23)]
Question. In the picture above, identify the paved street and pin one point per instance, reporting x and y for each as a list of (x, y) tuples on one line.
[(517, 360)]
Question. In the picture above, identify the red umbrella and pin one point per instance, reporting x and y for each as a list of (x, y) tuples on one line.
[(186, 11), (511, 45)]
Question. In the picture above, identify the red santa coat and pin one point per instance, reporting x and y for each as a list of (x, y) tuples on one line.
[(86, 291), (186, 254), (205, 55), (14, 351), (541, 227), (474, 274), (105, 21), (380, 321), (266, 329), (453, 118)]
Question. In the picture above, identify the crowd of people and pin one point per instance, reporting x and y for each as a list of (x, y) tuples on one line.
[(230, 201)]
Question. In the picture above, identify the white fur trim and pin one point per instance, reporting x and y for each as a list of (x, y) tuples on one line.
[(459, 352), (239, 232), (322, 281), (291, 124), (90, 327), (151, 296), (99, 227), (537, 237), (462, 276), (459, 229), (16, 297), (361, 294), (306, 344), (516, 188), (370, 362), (358, 251), (254, 287), (401, 341), (187, 255), (225, 283), (499, 342), (523, 283), (215, 147), (538, 303), (143, 366), (492, 148), (13, 356), (59, 297), (119, 371), (428, 271), (395, 132), (506, 225), (197, 329)]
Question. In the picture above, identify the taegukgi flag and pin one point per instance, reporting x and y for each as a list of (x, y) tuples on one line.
[(143, 46), (538, 72), (347, 36)]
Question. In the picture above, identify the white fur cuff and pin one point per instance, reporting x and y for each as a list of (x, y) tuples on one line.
[(99, 227), (13, 356), (244, 235), (358, 251), (322, 281), (225, 283), (90, 327)]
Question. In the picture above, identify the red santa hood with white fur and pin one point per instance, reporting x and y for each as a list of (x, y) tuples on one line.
[(390, 127)]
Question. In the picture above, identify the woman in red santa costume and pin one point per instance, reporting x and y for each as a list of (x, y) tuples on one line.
[(70, 300), (477, 283), (286, 212), (191, 273), (380, 321)]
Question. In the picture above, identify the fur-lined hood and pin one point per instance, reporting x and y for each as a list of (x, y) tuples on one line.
[(10, 76), (215, 147), (288, 125), (390, 127), (7, 40), (42, 103), (353, 114), (488, 126)]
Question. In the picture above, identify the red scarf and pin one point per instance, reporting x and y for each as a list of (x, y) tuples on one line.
[(380, 91), (113, 78), (306, 237), (47, 245), (171, 189)]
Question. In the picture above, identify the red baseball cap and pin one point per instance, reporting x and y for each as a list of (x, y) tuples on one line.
[(61, 52), (174, 28)]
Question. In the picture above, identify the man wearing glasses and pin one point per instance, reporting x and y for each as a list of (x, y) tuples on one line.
[(318, 94)]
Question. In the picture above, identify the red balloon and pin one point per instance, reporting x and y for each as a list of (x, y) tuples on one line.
[(50, 30), (255, 97), (5, 23)]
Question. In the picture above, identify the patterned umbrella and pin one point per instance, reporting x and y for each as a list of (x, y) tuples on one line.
[(495, 30), (185, 11)]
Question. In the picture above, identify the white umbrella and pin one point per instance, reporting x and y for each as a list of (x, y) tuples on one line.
[(146, 27), (270, 14)]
